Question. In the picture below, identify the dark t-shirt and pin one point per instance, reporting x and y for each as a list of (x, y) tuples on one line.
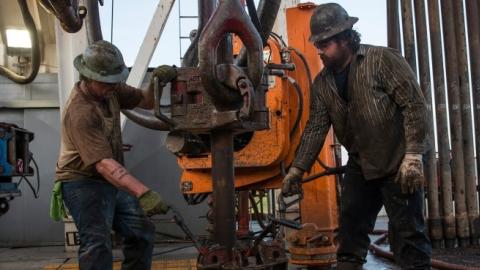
[(341, 81), (87, 130)]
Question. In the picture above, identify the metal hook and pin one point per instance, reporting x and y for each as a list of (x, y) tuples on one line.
[(229, 17)]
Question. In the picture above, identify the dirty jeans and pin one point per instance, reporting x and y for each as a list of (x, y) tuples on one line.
[(97, 207), (360, 204)]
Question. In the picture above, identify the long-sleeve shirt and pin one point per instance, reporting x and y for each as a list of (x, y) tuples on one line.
[(385, 116)]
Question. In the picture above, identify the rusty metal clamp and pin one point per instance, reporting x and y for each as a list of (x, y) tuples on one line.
[(157, 96), (229, 17), (233, 77)]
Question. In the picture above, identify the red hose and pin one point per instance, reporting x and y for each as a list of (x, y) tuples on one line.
[(378, 251)]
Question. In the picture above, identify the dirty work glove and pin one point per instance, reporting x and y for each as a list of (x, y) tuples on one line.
[(152, 203), (57, 208), (292, 183), (410, 173), (164, 74)]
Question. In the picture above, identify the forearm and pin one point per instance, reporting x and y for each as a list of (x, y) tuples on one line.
[(313, 135), (147, 101), (118, 176), (310, 146)]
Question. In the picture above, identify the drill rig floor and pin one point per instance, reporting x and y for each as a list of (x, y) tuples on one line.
[(177, 256), (54, 257), (168, 256)]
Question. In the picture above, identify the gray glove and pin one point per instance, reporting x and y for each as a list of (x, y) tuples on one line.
[(152, 203), (410, 174), (292, 183)]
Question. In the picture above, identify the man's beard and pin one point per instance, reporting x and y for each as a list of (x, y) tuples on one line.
[(334, 62), (327, 61)]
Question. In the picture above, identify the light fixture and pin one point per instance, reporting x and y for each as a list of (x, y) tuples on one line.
[(18, 42)]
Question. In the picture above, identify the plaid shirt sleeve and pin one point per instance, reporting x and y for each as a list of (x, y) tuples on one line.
[(400, 83), (315, 132)]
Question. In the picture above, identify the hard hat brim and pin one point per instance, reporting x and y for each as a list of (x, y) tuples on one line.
[(335, 30), (85, 71)]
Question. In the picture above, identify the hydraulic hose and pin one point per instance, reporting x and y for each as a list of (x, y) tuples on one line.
[(67, 12), (305, 63), (298, 91), (35, 53), (437, 264), (267, 10)]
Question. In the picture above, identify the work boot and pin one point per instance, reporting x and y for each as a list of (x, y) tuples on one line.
[(349, 266)]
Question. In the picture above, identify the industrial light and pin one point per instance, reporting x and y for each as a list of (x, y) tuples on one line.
[(18, 43), (17, 38)]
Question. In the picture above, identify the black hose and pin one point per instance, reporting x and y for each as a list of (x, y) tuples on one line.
[(268, 10), (35, 50), (254, 17), (31, 187), (305, 63), (37, 172), (298, 91), (278, 38)]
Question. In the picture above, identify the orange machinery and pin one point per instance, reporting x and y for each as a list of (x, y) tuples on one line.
[(258, 165)]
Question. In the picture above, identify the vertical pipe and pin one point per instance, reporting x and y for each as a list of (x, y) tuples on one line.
[(474, 46), (408, 36), (223, 174), (468, 155), (458, 173), (442, 128), (434, 220), (393, 26), (94, 30), (205, 11), (243, 215), (223, 190)]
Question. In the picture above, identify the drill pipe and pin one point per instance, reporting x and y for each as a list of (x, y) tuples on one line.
[(474, 46), (393, 26), (434, 220), (223, 190), (458, 173), (408, 37), (445, 176), (470, 180)]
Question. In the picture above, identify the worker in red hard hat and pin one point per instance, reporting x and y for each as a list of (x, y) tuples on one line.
[(370, 96)]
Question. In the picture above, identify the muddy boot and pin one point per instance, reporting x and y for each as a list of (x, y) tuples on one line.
[(349, 266)]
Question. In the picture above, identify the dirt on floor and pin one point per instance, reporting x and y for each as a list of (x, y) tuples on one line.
[(469, 256)]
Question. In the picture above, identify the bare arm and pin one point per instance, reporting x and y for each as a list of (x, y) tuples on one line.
[(118, 176), (147, 99)]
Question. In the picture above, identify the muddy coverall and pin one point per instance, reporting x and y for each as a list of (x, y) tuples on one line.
[(378, 114)]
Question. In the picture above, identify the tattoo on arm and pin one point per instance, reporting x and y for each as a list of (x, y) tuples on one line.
[(119, 172)]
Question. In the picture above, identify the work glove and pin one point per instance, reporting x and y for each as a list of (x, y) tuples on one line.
[(410, 174), (292, 183), (164, 73), (153, 204), (57, 208)]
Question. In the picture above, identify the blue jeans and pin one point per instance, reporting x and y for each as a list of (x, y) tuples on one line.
[(97, 207), (360, 202)]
